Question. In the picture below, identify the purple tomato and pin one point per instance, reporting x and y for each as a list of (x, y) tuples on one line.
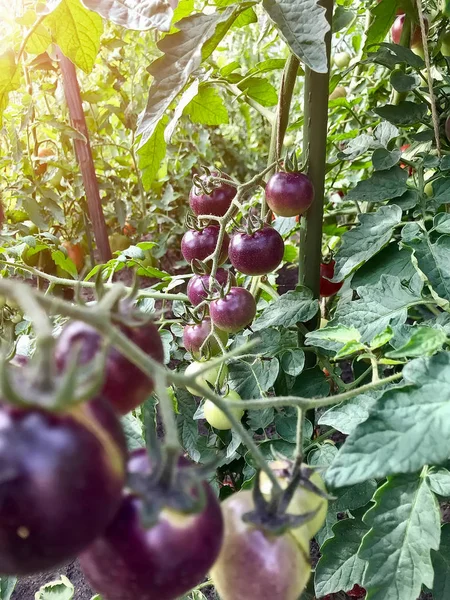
[(195, 335), (197, 285), (125, 386), (130, 562), (234, 311), (62, 475), (217, 202), (289, 194), (256, 253), (201, 244), (328, 288)]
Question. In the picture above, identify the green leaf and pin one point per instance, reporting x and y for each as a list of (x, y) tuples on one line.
[(383, 159), (402, 82), (383, 18), (380, 305), (363, 242), (207, 107), (406, 429), (433, 257), (403, 113), (354, 496), (138, 15), (439, 482), (61, 589), (347, 416), (340, 567), (424, 341), (7, 586), (441, 190), (405, 527), (152, 153), (9, 79), (293, 361), (184, 51), (132, 428), (292, 308), (76, 30), (333, 338), (312, 383), (441, 566), (303, 26), (260, 90), (389, 261), (382, 185), (251, 380), (186, 98), (260, 419)]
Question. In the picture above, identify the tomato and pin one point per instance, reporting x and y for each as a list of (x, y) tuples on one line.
[(289, 194), (201, 244), (416, 36), (218, 419), (254, 565), (199, 283), (63, 474), (217, 203), (404, 148), (164, 562), (42, 165), (125, 386), (118, 242), (428, 189), (257, 253), (195, 335), (339, 92), (128, 229), (328, 288), (357, 592), (211, 376), (303, 501), (76, 254), (341, 59), (41, 260), (234, 311)]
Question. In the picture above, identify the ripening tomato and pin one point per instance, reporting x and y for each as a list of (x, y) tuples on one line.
[(198, 286), (328, 288), (195, 335), (416, 36), (235, 311), (199, 244), (211, 376), (76, 254), (42, 164), (303, 501), (218, 419), (128, 229), (254, 565)]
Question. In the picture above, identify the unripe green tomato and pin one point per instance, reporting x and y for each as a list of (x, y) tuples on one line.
[(32, 228), (303, 501), (445, 44), (339, 92), (118, 242), (218, 419), (208, 376), (428, 189), (341, 59), (418, 50)]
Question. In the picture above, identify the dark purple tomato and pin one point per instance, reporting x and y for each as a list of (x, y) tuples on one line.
[(217, 203), (125, 386), (256, 253), (196, 286), (164, 562), (234, 311), (328, 288), (254, 565), (201, 244), (289, 194), (195, 335), (62, 475)]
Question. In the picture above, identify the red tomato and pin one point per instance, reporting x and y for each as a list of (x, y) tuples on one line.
[(328, 288)]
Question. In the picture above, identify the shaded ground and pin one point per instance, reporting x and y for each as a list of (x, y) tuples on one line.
[(28, 586)]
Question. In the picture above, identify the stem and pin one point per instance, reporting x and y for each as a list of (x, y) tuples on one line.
[(299, 437), (167, 415), (263, 111), (315, 148)]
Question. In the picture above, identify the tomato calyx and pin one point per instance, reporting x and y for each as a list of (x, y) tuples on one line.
[(291, 164), (270, 514), (210, 180)]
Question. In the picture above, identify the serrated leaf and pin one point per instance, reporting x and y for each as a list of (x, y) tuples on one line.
[(189, 93), (354, 496), (339, 567), (403, 113), (76, 30), (292, 308), (382, 185), (7, 586), (312, 383), (260, 419), (403, 82), (293, 361), (363, 242), (389, 261), (260, 90), (405, 527), (132, 428), (65, 263), (207, 107), (347, 416), (303, 25), (379, 306), (384, 159), (441, 565), (184, 51), (251, 380), (61, 589), (439, 481), (9, 79), (424, 341), (139, 15), (383, 18), (406, 429), (332, 338), (151, 154)]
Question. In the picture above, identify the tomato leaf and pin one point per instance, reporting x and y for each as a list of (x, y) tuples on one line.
[(139, 15), (439, 482), (340, 567), (9, 79), (207, 107), (424, 341), (406, 428), (251, 380), (389, 261), (290, 309), (381, 186), (403, 113), (7, 585), (441, 564), (152, 153), (405, 526), (303, 25), (61, 589)]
